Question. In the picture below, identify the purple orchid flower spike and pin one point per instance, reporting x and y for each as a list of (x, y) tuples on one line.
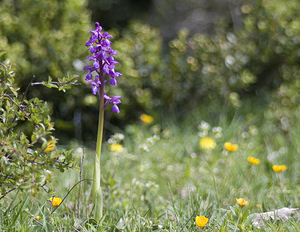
[(102, 68), (100, 71)]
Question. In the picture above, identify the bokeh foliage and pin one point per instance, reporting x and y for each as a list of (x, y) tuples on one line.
[(227, 66), (193, 70), (43, 37), (46, 38)]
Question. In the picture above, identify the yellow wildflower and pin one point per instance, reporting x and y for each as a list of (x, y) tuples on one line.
[(230, 146), (116, 147), (279, 168), (242, 202), (56, 201), (201, 221), (37, 217), (207, 143), (50, 145), (253, 160), (147, 119)]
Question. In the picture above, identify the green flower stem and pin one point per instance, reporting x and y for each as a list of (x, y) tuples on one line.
[(97, 191)]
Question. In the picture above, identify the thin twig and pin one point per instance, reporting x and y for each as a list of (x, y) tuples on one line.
[(27, 88), (68, 194), (34, 141), (42, 186), (7, 192), (56, 83), (23, 97), (10, 98), (3, 66), (37, 221)]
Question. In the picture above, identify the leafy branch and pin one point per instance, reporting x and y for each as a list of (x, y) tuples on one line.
[(62, 84)]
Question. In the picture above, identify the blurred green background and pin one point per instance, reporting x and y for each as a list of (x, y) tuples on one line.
[(176, 57)]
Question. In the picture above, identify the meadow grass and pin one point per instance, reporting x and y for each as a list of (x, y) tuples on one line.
[(161, 180)]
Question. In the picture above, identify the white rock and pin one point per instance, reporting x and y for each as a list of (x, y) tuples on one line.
[(283, 214)]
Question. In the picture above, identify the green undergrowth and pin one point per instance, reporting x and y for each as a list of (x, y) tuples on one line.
[(161, 179)]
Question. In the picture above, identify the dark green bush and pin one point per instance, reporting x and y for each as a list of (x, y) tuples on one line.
[(28, 154), (238, 63), (43, 37), (225, 67), (284, 108), (140, 55), (47, 38)]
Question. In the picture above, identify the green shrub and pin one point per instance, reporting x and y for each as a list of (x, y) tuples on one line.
[(140, 57), (284, 107), (28, 153), (43, 37), (46, 38), (223, 68), (238, 63)]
